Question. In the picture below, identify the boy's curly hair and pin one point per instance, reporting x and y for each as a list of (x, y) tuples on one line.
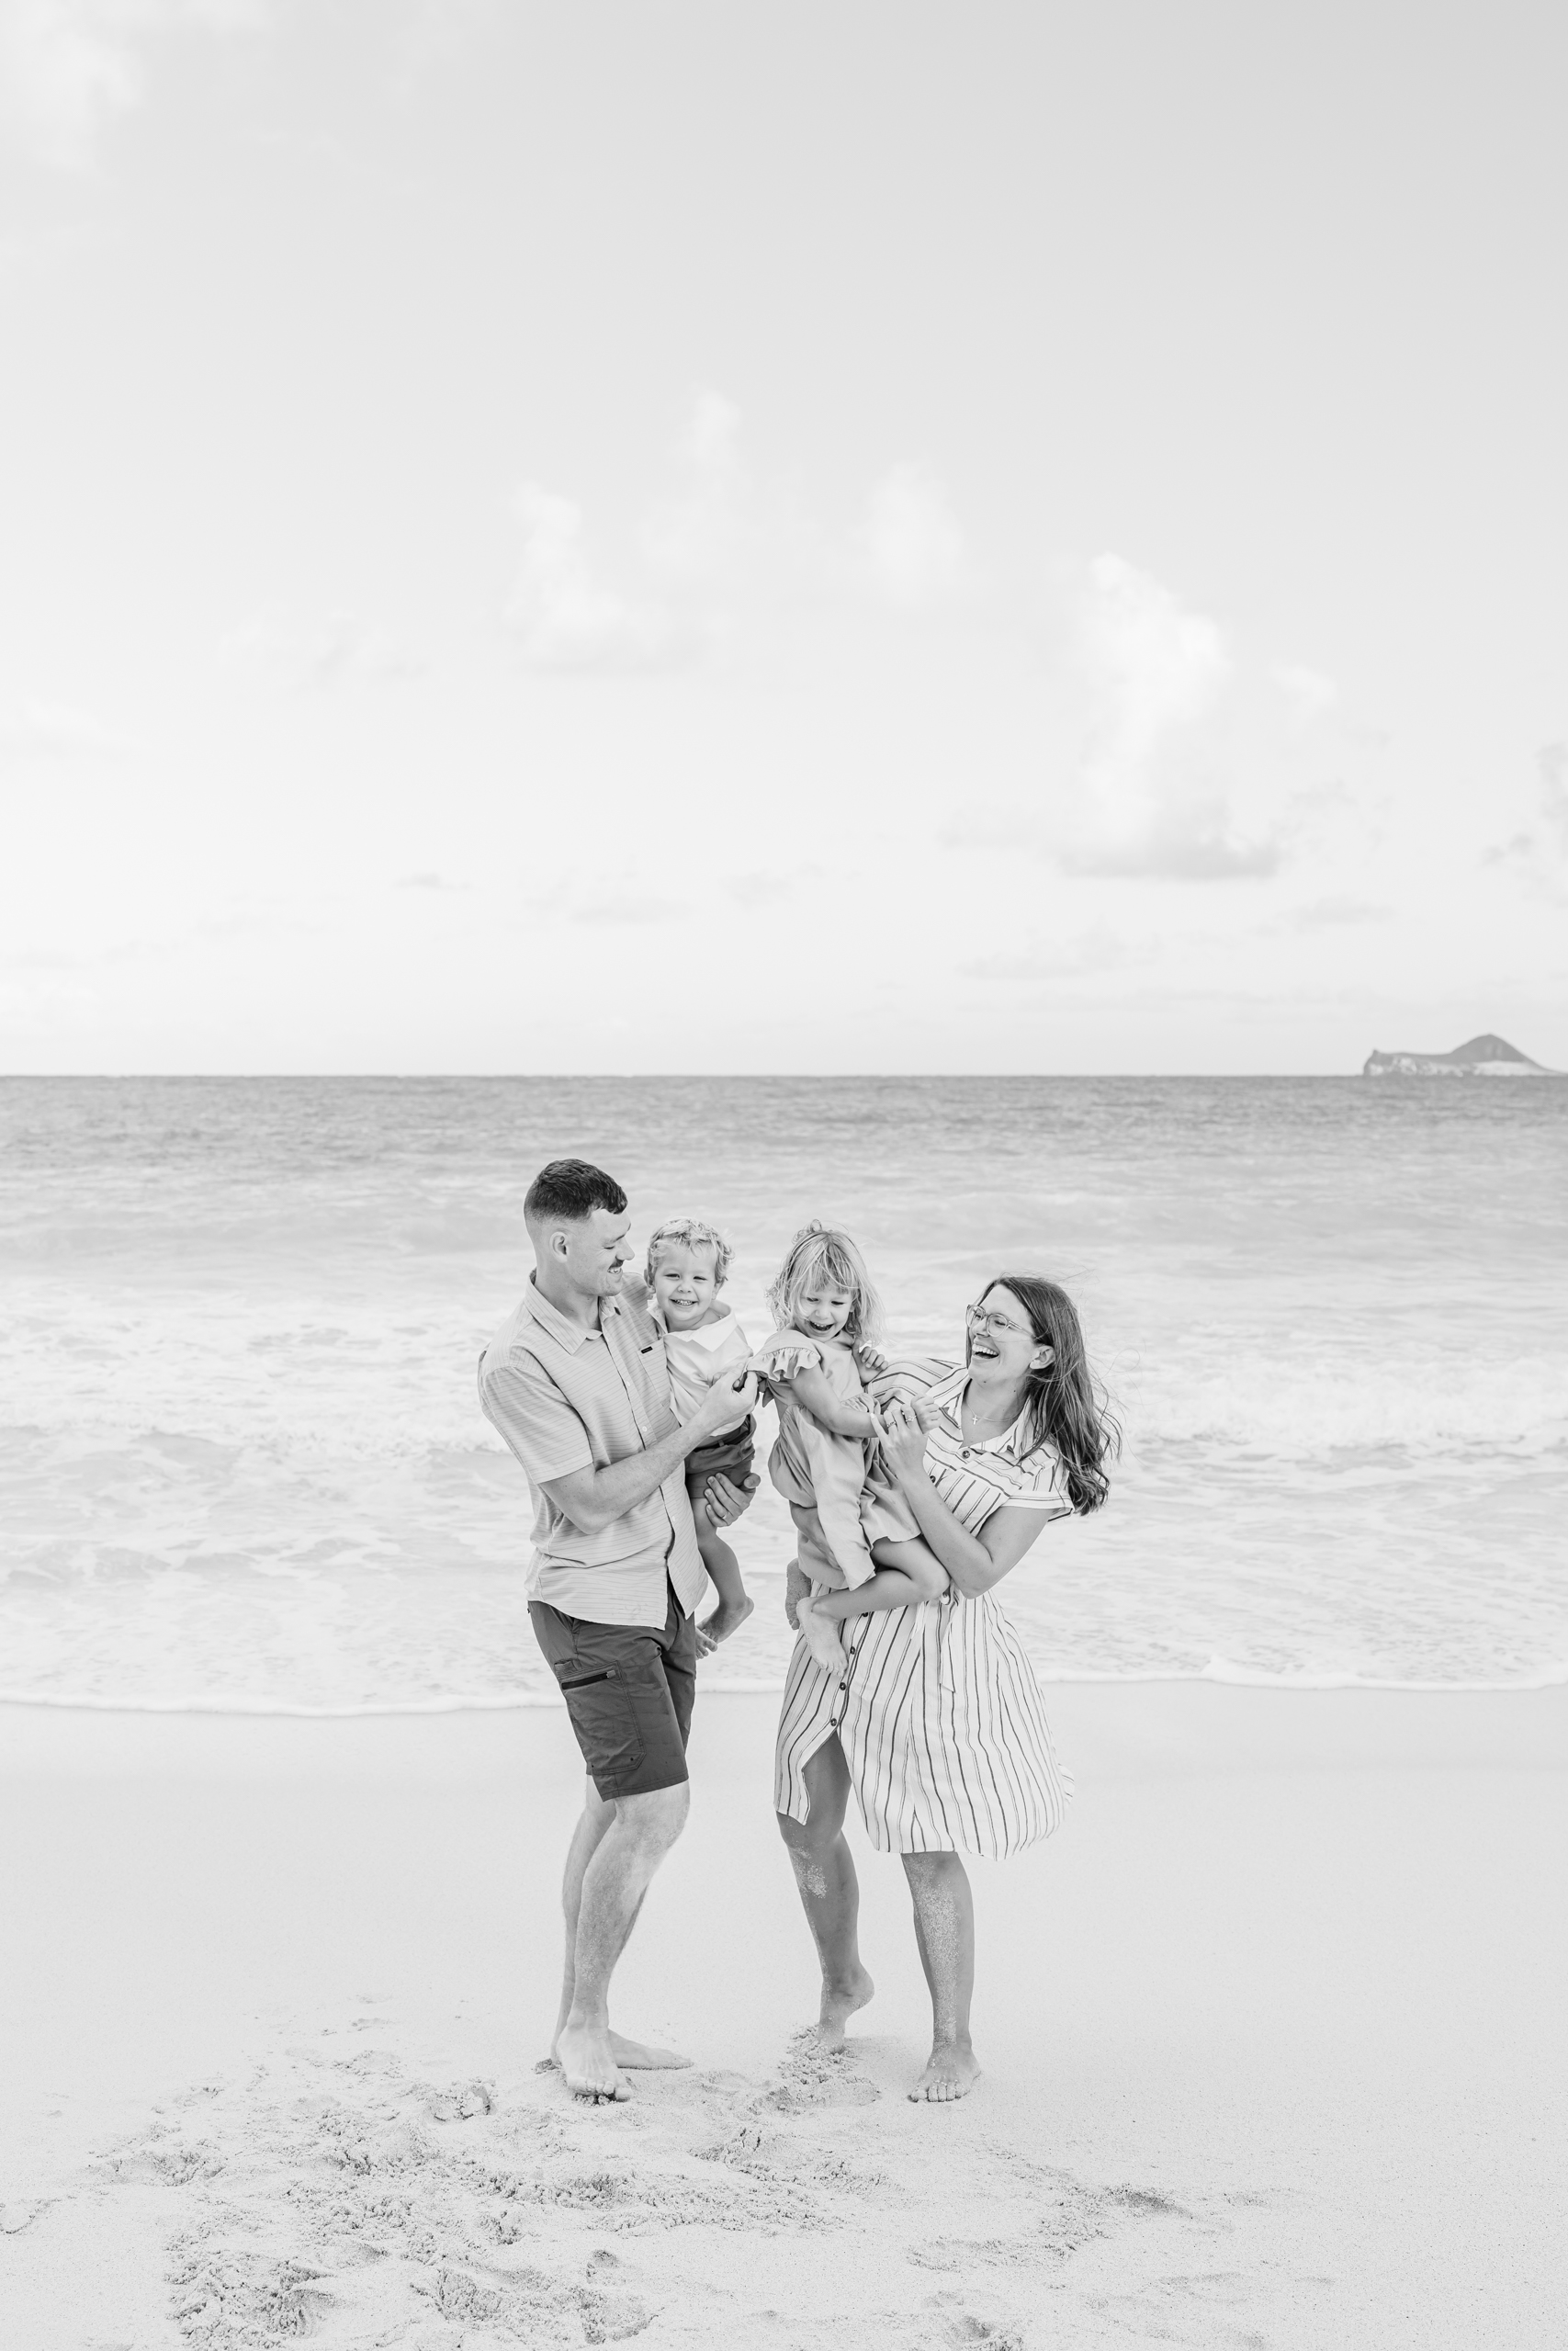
[(690, 1232)]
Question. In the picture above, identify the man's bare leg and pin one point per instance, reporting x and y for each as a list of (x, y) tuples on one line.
[(830, 1890), (616, 1847), (944, 1930)]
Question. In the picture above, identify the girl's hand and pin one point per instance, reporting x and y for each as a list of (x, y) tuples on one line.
[(904, 1439), (872, 1360)]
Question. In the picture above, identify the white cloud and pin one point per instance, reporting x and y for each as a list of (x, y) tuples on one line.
[(48, 730), (1308, 692), (1148, 799), (913, 546), (1551, 764), (564, 619), (68, 66), (721, 554), (340, 650)]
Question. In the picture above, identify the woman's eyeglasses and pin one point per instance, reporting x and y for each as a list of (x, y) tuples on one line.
[(980, 1320)]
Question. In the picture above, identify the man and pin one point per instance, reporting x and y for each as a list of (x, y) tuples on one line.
[(576, 1381)]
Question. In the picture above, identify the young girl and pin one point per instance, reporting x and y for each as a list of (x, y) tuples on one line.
[(814, 1365), (687, 1262)]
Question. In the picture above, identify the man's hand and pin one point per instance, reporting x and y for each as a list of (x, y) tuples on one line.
[(725, 1502), (724, 1402)]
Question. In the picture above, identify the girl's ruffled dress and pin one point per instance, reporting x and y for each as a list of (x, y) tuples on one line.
[(817, 1469)]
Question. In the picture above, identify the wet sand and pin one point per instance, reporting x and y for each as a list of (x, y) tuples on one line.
[(1273, 2034)]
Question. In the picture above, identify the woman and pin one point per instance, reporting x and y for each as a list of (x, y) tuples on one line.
[(935, 1718)]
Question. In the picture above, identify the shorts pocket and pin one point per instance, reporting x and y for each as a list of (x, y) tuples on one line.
[(604, 1719)]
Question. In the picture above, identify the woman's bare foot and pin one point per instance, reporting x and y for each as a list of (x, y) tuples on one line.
[(820, 1634), (952, 2073), (724, 1620), (840, 2002)]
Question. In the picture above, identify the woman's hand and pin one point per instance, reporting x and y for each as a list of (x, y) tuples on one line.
[(904, 1439)]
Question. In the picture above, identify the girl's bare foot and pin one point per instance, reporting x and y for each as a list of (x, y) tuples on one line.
[(952, 2073), (840, 2002), (724, 1620), (820, 1634)]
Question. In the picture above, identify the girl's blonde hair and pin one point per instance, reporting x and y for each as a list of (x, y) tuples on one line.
[(818, 1254), (690, 1232)]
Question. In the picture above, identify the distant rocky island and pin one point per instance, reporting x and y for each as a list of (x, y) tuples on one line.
[(1483, 1057)]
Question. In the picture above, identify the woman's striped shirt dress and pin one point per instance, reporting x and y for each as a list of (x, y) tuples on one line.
[(937, 1708)]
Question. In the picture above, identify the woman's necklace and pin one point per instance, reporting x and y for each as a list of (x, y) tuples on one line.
[(981, 1421)]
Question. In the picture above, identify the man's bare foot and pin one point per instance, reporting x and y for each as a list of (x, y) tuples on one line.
[(632, 2056), (839, 2005), (638, 2058), (820, 1634), (722, 1623), (588, 2061), (952, 2073)]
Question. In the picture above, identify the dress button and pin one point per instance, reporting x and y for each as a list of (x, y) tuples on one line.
[(964, 1454)]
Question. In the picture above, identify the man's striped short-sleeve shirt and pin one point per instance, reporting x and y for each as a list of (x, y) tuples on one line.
[(567, 1398)]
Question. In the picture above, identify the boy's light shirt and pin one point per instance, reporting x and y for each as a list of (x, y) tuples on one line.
[(697, 1358)]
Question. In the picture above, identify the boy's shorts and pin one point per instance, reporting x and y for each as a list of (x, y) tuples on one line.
[(729, 1455), (629, 1689)]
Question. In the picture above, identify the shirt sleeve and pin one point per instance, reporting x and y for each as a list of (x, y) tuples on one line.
[(906, 1377), (786, 1352), (522, 1401), (1040, 1486)]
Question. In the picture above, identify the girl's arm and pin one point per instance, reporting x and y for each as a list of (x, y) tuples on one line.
[(815, 1392), (974, 1562)]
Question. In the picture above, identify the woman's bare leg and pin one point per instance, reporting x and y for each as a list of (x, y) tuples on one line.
[(944, 1930), (830, 1890)]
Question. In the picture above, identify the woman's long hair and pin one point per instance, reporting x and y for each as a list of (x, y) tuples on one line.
[(1064, 1404)]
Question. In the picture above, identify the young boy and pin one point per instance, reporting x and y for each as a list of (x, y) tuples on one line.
[(687, 1262)]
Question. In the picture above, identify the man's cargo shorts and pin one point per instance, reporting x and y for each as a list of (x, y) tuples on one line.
[(628, 1688)]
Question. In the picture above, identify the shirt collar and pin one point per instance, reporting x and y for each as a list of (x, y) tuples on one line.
[(570, 1334), (948, 1396)]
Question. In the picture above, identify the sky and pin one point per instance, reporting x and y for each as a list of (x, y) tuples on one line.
[(692, 536)]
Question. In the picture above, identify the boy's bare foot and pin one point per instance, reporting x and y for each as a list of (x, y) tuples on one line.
[(724, 1620), (798, 1584), (840, 2002), (952, 2073), (820, 1634)]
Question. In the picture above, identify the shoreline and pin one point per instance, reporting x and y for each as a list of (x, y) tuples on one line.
[(1273, 2036), (1218, 1675)]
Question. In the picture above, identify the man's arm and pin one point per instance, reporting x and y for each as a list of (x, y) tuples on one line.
[(593, 1498)]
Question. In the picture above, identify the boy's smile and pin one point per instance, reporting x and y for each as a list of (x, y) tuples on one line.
[(685, 1286)]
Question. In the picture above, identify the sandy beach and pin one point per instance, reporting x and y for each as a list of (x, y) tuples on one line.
[(1274, 2033)]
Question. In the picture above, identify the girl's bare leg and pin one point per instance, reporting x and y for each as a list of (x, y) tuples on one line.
[(905, 1574), (734, 1603), (944, 1930), (830, 1890)]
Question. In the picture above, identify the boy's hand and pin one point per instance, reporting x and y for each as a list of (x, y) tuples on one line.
[(725, 1502)]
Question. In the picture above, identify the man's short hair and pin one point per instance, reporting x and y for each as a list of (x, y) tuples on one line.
[(568, 1191)]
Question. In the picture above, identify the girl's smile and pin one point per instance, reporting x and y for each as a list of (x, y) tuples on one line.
[(824, 1313)]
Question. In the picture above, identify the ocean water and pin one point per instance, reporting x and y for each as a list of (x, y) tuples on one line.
[(241, 1465)]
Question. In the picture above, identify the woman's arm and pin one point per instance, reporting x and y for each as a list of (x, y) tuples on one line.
[(974, 1562)]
